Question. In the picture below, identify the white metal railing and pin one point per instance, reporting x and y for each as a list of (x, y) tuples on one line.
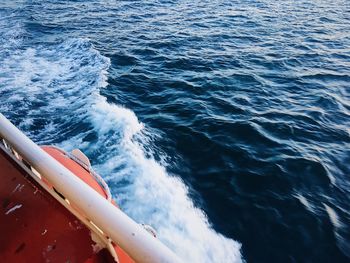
[(113, 223), (88, 168)]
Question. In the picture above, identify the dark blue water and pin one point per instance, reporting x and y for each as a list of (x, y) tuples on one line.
[(223, 124)]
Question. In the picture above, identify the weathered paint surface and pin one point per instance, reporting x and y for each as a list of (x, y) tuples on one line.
[(34, 227)]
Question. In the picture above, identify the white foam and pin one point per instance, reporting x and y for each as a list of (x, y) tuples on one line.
[(305, 202), (333, 216), (60, 86), (154, 197)]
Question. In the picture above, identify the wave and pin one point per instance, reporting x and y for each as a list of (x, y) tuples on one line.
[(53, 93)]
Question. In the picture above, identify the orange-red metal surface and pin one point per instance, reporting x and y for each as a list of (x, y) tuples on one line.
[(75, 168), (35, 227)]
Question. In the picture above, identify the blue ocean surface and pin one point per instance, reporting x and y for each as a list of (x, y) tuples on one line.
[(225, 125)]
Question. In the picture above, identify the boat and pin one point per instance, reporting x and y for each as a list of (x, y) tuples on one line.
[(56, 208)]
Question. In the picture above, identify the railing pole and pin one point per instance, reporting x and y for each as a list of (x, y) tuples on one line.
[(125, 232)]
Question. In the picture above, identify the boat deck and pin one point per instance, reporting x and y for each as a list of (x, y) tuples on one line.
[(35, 227)]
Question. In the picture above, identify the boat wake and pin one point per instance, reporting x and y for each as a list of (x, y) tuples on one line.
[(52, 92)]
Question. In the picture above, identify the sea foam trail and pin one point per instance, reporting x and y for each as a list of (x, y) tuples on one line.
[(53, 95)]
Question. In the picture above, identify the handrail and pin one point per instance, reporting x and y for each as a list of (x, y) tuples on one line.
[(96, 176), (125, 232)]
